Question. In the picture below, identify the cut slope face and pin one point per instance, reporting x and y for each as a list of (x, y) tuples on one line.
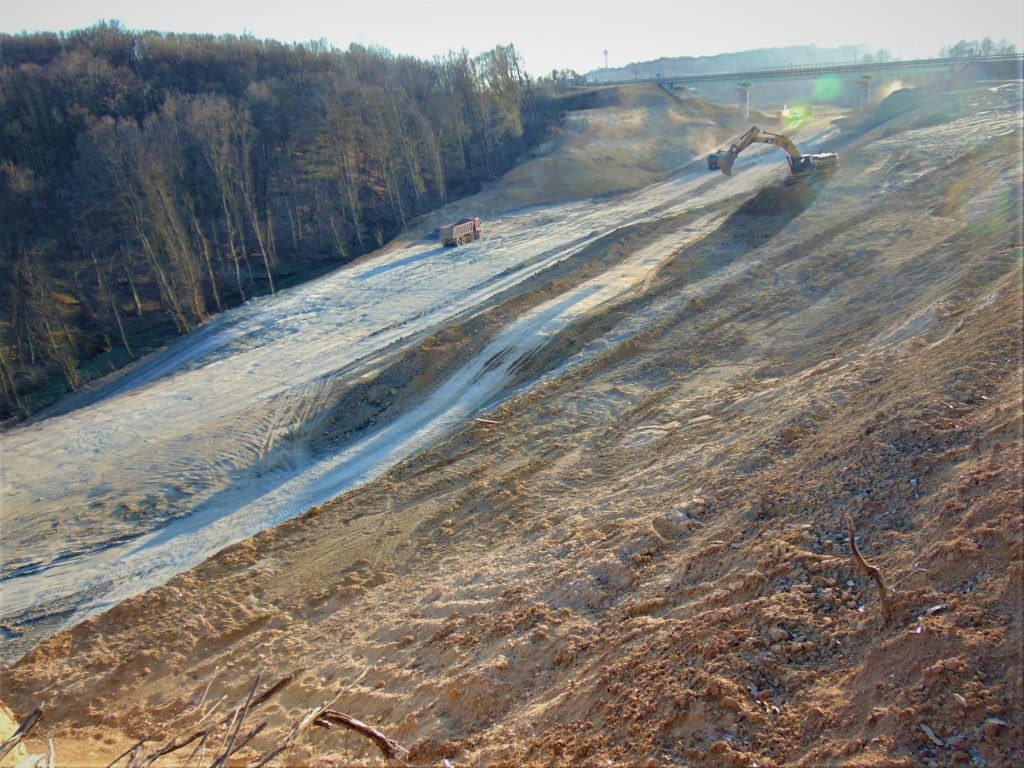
[(277, 405), (642, 559), (634, 139)]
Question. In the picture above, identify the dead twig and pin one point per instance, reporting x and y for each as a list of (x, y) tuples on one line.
[(390, 748), (869, 570), (196, 758), (176, 720), (229, 719), (227, 731), (213, 708), (24, 727), (202, 700), (238, 727), (137, 746), (245, 741), (325, 717), (289, 741)]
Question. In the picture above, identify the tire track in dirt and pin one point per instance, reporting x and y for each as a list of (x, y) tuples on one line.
[(318, 420), (642, 560)]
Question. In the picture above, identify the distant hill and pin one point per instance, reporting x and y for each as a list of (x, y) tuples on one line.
[(729, 62)]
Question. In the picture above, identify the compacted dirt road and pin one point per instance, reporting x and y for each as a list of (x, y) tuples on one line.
[(614, 527)]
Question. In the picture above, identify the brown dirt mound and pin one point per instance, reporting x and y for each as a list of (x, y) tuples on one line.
[(644, 561), (637, 138)]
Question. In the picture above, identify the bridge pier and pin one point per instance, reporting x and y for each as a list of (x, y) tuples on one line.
[(743, 89), (865, 92)]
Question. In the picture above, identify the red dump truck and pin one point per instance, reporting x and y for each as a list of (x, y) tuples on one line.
[(462, 231)]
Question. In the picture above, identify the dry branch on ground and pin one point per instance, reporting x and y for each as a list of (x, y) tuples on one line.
[(232, 739), (884, 592)]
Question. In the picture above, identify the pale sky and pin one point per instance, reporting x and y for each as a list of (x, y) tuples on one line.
[(553, 34)]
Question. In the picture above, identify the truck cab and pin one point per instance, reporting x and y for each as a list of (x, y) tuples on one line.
[(461, 232)]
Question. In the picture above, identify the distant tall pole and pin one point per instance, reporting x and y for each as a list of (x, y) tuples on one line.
[(744, 91), (606, 58), (865, 92)]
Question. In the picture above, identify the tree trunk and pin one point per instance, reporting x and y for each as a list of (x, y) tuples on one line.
[(205, 245), (350, 197), (10, 389), (108, 296), (135, 292)]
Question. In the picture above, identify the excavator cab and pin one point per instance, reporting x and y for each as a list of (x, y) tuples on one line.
[(804, 166)]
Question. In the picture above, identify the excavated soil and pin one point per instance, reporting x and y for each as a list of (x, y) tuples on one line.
[(641, 558), (293, 399)]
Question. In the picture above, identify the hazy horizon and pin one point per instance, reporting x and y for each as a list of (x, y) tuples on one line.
[(568, 35)]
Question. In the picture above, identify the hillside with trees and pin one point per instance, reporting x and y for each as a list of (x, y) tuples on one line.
[(148, 181)]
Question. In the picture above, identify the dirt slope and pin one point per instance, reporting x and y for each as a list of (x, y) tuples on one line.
[(254, 418), (643, 559), (632, 138)]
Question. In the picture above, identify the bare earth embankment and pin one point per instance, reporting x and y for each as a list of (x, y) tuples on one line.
[(642, 558), (292, 399)]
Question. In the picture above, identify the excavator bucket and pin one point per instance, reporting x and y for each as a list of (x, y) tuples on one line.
[(725, 161)]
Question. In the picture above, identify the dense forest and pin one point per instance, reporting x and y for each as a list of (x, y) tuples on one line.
[(150, 180)]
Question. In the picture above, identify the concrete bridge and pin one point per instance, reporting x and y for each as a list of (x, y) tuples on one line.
[(867, 70)]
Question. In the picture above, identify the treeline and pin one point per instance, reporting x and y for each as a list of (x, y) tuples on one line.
[(148, 180), (728, 62), (984, 47)]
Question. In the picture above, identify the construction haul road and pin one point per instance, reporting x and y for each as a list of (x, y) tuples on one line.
[(597, 466), (277, 406)]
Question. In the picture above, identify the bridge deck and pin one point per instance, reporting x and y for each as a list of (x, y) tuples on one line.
[(798, 72)]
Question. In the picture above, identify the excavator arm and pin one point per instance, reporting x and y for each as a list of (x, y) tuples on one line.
[(799, 165), (756, 136)]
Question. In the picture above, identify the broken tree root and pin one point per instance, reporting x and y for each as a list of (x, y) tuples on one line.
[(230, 727), (290, 739), (869, 570), (233, 720), (390, 748)]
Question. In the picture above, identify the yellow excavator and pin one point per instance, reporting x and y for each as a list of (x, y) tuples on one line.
[(800, 166)]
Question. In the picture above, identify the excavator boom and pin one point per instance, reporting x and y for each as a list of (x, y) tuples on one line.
[(800, 165)]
